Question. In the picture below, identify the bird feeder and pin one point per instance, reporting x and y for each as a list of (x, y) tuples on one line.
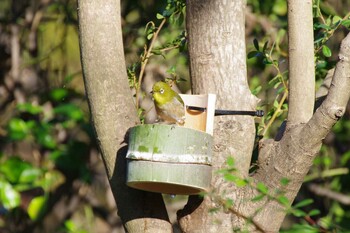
[(174, 159)]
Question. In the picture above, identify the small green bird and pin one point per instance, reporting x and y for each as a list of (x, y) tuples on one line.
[(169, 105)]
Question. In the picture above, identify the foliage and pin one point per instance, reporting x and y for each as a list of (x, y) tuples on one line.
[(45, 135), (301, 210), (268, 72), (61, 157), (278, 83), (174, 14)]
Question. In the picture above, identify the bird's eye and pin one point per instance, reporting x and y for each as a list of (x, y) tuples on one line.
[(161, 91)]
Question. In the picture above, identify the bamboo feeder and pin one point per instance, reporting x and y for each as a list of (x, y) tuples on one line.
[(174, 159)]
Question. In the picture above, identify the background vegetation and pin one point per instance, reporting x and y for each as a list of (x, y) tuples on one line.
[(51, 176)]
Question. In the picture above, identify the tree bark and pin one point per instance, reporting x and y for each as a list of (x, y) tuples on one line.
[(216, 42), (301, 62), (113, 111)]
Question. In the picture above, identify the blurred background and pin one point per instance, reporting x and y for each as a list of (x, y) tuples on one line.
[(52, 178)]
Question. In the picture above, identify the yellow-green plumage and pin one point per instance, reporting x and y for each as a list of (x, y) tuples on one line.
[(169, 105)]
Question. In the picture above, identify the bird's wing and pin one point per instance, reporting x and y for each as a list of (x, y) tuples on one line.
[(178, 97), (172, 111)]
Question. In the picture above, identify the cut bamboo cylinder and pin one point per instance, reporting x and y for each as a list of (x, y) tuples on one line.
[(169, 159)]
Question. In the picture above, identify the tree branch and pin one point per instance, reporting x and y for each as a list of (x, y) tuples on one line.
[(292, 157), (301, 62), (216, 44), (113, 111), (324, 192), (334, 106), (144, 60)]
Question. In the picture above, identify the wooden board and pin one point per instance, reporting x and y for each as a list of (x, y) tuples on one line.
[(199, 120)]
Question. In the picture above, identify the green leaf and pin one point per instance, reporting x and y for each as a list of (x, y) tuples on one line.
[(283, 200), (265, 46), (241, 182), (346, 23), (159, 16), (17, 129), (228, 203), (284, 181), (29, 175), (157, 52), (258, 198), (47, 141), (336, 20), (58, 94), (280, 90), (320, 38), (51, 180), (303, 203), (13, 167), (9, 197), (326, 51), (149, 36), (280, 7), (132, 17), (285, 107), (30, 108), (273, 81), (321, 26), (70, 226), (314, 212), (267, 61), (253, 54), (261, 187), (256, 44), (176, 19), (345, 158), (43, 136), (257, 90), (277, 84), (172, 70), (167, 12), (298, 213), (69, 110), (230, 177), (230, 161), (36, 207)]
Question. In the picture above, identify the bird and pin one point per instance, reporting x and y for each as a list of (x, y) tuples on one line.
[(168, 103)]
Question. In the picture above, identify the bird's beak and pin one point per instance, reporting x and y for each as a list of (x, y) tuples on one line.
[(151, 92)]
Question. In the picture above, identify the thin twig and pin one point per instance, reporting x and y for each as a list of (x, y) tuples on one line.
[(327, 173), (331, 32), (274, 116), (324, 192), (169, 48), (145, 60), (240, 215), (314, 223), (285, 94)]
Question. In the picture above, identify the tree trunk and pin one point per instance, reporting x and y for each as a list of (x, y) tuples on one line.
[(301, 62), (217, 53), (113, 111)]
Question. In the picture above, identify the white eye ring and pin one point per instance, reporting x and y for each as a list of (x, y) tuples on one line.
[(161, 91)]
